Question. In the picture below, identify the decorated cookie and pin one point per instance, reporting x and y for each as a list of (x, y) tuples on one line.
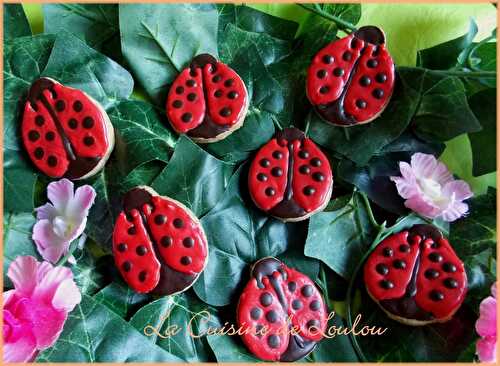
[(207, 101), (65, 131), (158, 244), (351, 80), (290, 177), (416, 277), (281, 311)]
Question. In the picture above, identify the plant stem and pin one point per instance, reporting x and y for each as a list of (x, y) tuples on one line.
[(466, 74), (342, 24), (371, 217), (71, 250), (350, 287)]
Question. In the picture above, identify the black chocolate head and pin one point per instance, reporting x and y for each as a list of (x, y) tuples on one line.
[(370, 34)]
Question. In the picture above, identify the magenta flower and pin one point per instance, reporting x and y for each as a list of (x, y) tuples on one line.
[(35, 311), (63, 220), (429, 189), (486, 327)]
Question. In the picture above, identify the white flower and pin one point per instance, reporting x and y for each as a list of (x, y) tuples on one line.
[(430, 190), (63, 220)]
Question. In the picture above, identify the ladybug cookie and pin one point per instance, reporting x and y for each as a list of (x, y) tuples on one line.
[(351, 80), (207, 101), (65, 131), (290, 177), (281, 312), (159, 245), (416, 277)]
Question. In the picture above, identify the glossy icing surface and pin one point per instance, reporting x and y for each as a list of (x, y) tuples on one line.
[(290, 176), (351, 80), (416, 274), (155, 232), (63, 130), (275, 300), (206, 99)]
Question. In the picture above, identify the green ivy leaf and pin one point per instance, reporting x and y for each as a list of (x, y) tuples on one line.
[(229, 349), (477, 231), (159, 40), (15, 23), (443, 111), (336, 349), (446, 55), (193, 177), (360, 143), (74, 63), (483, 143), (270, 49), (93, 333), (141, 134), (121, 299), (340, 237), (254, 21), (88, 271), (24, 58), (96, 24), (17, 230), (374, 178), (267, 104), (238, 235), (182, 311)]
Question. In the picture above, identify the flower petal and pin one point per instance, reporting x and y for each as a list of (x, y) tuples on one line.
[(81, 203), (486, 349), (50, 246), (454, 211), (67, 296), (458, 189), (423, 165), (23, 350), (441, 174), (22, 272), (420, 206), (48, 285), (46, 212), (60, 193), (46, 322), (486, 325)]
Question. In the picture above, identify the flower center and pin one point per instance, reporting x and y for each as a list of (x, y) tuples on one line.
[(431, 189), (62, 226)]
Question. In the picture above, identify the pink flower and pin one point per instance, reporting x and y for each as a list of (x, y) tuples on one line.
[(35, 311), (486, 327), (430, 190), (63, 220)]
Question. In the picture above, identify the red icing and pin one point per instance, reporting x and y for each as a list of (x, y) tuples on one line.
[(251, 299), (178, 94), (299, 180), (96, 132), (361, 52), (172, 254), (335, 83), (452, 297), (147, 262), (257, 187), (401, 278), (214, 90)]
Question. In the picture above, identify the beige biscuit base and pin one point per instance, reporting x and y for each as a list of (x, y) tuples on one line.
[(110, 134), (195, 219), (408, 321), (306, 216), (358, 123)]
